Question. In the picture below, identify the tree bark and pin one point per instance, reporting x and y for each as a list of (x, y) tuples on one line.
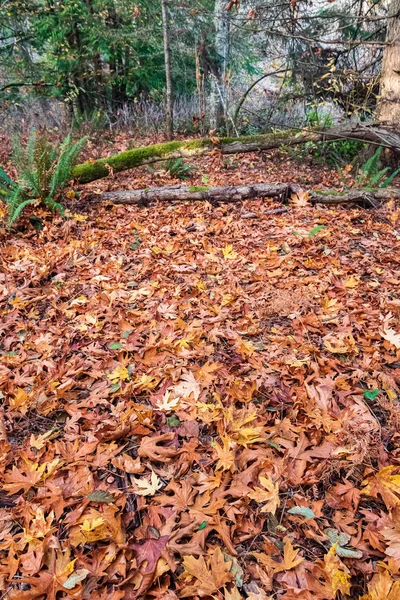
[(90, 171), (167, 61), (389, 101), (283, 191), (196, 193), (218, 84)]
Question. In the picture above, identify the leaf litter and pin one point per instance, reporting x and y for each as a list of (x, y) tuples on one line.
[(210, 413)]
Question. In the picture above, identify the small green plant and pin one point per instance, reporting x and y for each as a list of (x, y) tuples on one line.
[(371, 176), (177, 167), (43, 172), (315, 119)]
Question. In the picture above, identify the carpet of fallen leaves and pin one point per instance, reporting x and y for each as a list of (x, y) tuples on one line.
[(201, 401)]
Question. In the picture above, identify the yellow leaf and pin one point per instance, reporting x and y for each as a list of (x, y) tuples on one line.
[(80, 218), (229, 252), (340, 343), (382, 587), (352, 281), (205, 578), (336, 574), (119, 374), (94, 530), (385, 483), (40, 441), (270, 494), (226, 454), (20, 400)]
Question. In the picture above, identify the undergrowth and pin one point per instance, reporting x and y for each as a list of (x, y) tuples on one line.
[(43, 172)]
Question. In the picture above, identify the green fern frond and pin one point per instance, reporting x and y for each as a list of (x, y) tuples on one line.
[(43, 172), (386, 182)]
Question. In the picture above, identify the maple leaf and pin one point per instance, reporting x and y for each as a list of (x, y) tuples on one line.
[(34, 475), (146, 488), (392, 535), (187, 386), (229, 253), (150, 447), (382, 587), (93, 530), (210, 576), (339, 343), (391, 336), (48, 583), (300, 198), (20, 400), (385, 483), (336, 573), (118, 374), (226, 454), (290, 558), (270, 494), (167, 403), (149, 552)]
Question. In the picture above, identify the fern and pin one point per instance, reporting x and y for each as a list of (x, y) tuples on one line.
[(371, 176), (386, 182), (43, 172), (178, 168)]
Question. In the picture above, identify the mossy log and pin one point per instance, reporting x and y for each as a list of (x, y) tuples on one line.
[(92, 170), (282, 191)]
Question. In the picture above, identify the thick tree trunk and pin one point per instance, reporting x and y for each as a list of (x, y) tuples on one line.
[(90, 171), (168, 78), (218, 96), (389, 102), (282, 191)]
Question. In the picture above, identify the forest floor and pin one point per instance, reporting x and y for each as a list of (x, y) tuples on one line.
[(202, 401)]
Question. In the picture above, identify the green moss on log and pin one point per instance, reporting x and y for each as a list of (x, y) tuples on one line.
[(198, 188), (92, 170), (129, 159)]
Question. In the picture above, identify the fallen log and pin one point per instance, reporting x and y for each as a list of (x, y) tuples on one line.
[(282, 191), (97, 169), (196, 193)]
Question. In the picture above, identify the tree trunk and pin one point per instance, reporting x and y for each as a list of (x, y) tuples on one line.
[(389, 102), (283, 191), (218, 97), (167, 60)]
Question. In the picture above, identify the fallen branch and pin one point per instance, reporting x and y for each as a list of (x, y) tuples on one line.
[(90, 171), (282, 191)]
